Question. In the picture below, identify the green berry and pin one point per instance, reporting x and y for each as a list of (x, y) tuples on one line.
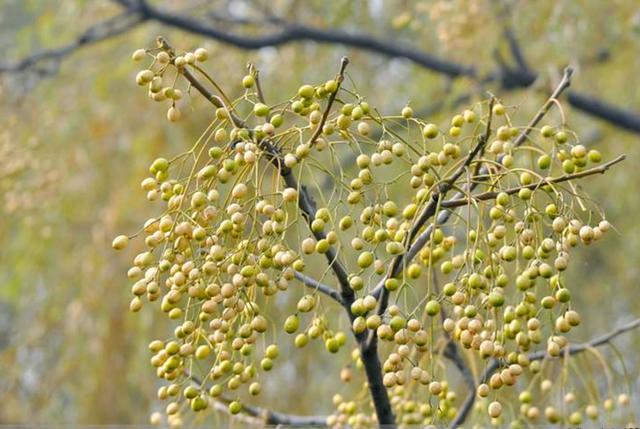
[(432, 308), (248, 81), (306, 91), (261, 109)]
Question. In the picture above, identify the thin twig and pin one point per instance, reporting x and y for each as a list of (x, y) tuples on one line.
[(320, 287), (489, 195), (261, 416), (339, 78)]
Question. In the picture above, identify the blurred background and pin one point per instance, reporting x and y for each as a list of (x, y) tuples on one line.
[(77, 136)]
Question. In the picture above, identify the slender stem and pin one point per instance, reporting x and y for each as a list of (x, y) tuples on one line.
[(339, 78), (489, 195), (320, 287)]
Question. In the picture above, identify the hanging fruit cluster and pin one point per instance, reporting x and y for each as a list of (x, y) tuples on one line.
[(243, 216)]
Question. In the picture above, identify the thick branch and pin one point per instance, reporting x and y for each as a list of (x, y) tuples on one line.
[(298, 33), (600, 109), (494, 365)]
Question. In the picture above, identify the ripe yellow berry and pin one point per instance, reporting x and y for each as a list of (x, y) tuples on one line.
[(498, 109), (546, 131), (430, 131), (594, 156), (174, 114), (138, 54), (261, 109), (364, 128), (495, 409), (562, 137), (144, 77), (432, 308), (235, 407), (291, 324), (201, 54), (255, 388), (365, 259), (289, 195), (407, 112), (120, 242), (469, 116), (163, 57), (239, 191), (331, 86), (202, 352)]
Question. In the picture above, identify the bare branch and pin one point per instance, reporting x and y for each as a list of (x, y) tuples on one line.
[(298, 33), (109, 28), (602, 110), (509, 77), (565, 82)]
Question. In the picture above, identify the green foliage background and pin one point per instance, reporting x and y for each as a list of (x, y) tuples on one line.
[(74, 146)]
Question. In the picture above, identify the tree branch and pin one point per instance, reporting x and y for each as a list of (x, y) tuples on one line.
[(257, 415), (509, 77), (298, 33), (602, 110), (339, 78), (494, 365), (106, 29), (489, 195), (320, 287)]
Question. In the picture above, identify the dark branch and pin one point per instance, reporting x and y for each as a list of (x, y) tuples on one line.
[(520, 76), (602, 110), (111, 27), (299, 33)]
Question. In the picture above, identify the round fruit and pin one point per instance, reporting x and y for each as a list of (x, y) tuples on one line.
[(432, 308), (120, 242)]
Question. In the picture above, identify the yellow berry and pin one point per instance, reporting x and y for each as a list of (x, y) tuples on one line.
[(174, 114), (120, 242)]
